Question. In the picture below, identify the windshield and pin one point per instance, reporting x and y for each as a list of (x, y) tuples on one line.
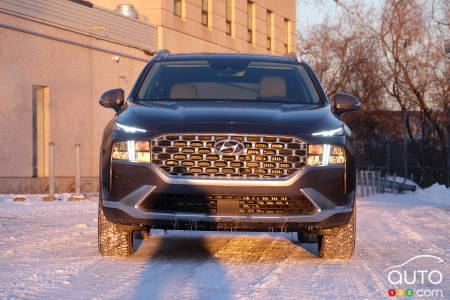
[(230, 79)]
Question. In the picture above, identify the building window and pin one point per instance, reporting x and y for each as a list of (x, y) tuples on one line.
[(250, 17), (177, 7), (229, 17), (287, 36), (205, 12), (269, 18)]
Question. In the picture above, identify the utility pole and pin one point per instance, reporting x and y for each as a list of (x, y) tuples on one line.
[(447, 114), (447, 117), (447, 109), (405, 146)]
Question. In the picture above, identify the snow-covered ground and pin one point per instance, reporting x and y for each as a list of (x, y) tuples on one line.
[(48, 250)]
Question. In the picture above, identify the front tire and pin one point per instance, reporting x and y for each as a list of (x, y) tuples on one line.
[(113, 239), (340, 244)]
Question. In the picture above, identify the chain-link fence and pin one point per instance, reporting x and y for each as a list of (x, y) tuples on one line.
[(398, 158)]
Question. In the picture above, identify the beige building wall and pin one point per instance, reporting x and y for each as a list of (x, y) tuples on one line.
[(76, 77), (186, 33)]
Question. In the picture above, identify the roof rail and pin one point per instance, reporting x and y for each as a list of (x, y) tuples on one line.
[(162, 53), (296, 55)]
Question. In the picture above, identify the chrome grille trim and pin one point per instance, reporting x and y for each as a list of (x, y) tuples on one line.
[(193, 155)]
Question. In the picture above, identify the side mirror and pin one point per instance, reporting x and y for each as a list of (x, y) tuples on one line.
[(345, 103), (114, 99)]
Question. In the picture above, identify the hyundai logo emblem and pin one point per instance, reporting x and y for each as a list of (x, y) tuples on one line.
[(229, 146)]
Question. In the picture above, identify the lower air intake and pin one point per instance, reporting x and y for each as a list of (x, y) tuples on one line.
[(244, 204)]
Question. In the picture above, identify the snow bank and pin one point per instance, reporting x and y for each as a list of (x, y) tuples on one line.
[(36, 197), (437, 193)]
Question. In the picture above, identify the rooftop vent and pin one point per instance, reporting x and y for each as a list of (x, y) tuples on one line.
[(127, 10)]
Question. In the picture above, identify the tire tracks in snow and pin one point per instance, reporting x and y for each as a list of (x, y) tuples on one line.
[(270, 256)]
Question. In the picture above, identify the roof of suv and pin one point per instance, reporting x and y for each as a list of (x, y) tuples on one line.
[(207, 56)]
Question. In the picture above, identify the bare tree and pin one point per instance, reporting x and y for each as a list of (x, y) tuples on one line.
[(415, 71), (346, 59), (390, 57)]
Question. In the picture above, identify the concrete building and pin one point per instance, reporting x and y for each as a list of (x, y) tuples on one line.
[(259, 26), (58, 56)]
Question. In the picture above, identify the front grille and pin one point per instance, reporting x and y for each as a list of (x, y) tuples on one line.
[(243, 204), (198, 155)]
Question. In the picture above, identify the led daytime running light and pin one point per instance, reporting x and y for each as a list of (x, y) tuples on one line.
[(332, 132), (129, 129)]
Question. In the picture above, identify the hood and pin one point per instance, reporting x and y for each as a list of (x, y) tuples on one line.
[(226, 114)]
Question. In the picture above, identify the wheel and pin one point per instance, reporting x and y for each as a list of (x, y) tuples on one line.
[(305, 237), (113, 239), (340, 244)]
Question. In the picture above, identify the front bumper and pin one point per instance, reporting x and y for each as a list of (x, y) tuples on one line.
[(134, 183)]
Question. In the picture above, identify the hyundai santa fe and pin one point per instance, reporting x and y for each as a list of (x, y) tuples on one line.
[(228, 142)]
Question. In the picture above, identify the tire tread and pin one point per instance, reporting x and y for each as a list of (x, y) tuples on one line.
[(113, 239), (340, 244)]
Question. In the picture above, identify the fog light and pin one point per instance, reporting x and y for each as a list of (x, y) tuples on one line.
[(314, 160)]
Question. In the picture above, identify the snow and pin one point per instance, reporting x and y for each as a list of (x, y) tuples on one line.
[(437, 193), (48, 250)]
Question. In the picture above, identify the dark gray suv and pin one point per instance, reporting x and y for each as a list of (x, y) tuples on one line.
[(228, 142)]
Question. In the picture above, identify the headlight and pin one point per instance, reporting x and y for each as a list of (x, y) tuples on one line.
[(132, 151), (325, 155)]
